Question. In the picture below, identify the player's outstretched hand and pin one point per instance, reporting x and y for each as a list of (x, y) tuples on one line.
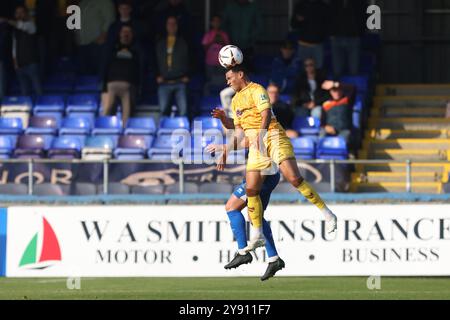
[(218, 114), (214, 148)]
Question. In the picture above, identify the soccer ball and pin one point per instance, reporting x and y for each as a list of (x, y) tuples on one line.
[(229, 56)]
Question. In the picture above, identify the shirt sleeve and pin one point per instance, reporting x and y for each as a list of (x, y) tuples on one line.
[(261, 99)]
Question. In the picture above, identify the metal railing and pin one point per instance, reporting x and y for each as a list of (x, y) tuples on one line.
[(181, 168)]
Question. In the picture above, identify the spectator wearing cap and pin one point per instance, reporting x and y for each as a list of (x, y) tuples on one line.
[(285, 68), (212, 42), (336, 114), (282, 111), (309, 95)]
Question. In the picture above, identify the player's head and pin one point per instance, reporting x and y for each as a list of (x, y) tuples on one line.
[(237, 77)]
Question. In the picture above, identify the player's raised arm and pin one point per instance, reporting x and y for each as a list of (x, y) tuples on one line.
[(220, 114)]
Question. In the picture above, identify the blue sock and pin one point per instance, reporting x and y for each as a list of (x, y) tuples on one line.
[(237, 223), (270, 244)]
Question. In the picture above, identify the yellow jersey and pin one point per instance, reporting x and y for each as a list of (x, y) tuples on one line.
[(247, 106)]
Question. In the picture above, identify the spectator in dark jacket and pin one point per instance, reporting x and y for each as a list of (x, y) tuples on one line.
[(308, 94), (25, 51), (173, 61), (310, 20), (125, 10), (347, 28), (282, 111), (285, 68), (122, 76), (337, 111)]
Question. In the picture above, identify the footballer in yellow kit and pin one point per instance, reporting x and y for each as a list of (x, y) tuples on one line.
[(247, 106)]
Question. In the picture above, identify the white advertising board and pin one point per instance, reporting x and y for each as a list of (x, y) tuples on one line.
[(397, 240)]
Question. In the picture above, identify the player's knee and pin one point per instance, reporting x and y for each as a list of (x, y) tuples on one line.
[(295, 181), (252, 192)]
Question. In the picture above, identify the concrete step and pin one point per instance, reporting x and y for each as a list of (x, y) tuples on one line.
[(388, 134), (415, 112), (399, 154), (437, 168), (416, 187), (413, 101), (423, 144), (410, 123), (412, 89), (376, 177)]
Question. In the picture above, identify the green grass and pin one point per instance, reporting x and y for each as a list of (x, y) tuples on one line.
[(285, 288)]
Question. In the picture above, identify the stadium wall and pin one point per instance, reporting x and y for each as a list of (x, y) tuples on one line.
[(170, 241)]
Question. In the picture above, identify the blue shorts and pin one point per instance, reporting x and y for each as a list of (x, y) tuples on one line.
[(269, 184)]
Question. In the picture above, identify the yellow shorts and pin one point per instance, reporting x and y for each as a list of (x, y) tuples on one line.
[(275, 148)]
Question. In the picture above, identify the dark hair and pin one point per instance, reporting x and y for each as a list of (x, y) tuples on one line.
[(238, 68)]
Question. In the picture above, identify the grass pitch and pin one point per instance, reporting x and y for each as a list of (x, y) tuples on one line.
[(285, 288)]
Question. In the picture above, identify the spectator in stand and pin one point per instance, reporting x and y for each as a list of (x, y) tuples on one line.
[(45, 17), (3, 58), (177, 9), (125, 10), (173, 61), (98, 15), (311, 20), (347, 28), (282, 111), (123, 75), (337, 111), (25, 51), (243, 22), (308, 93), (213, 41), (285, 68)]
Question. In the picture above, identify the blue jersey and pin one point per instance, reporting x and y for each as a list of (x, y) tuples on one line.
[(269, 184)]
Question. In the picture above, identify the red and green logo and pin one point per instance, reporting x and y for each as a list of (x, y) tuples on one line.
[(50, 250)]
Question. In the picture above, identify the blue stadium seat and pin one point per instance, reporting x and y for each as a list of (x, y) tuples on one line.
[(49, 103), (201, 124), (59, 83), (87, 84), (132, 147), (208, 103), (42, 125), (173, 123), (82, 103), (107, 125), (160, 154), (11, 126), (17, 101), (304, 148), (332, 148), (75, 126), (32, 146), (65, 148), (361, 82), (6, 147), (307, 126), (140, 126), (101, 142)]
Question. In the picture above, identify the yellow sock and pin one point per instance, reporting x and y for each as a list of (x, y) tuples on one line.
[(255, 211), (311, 195)]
